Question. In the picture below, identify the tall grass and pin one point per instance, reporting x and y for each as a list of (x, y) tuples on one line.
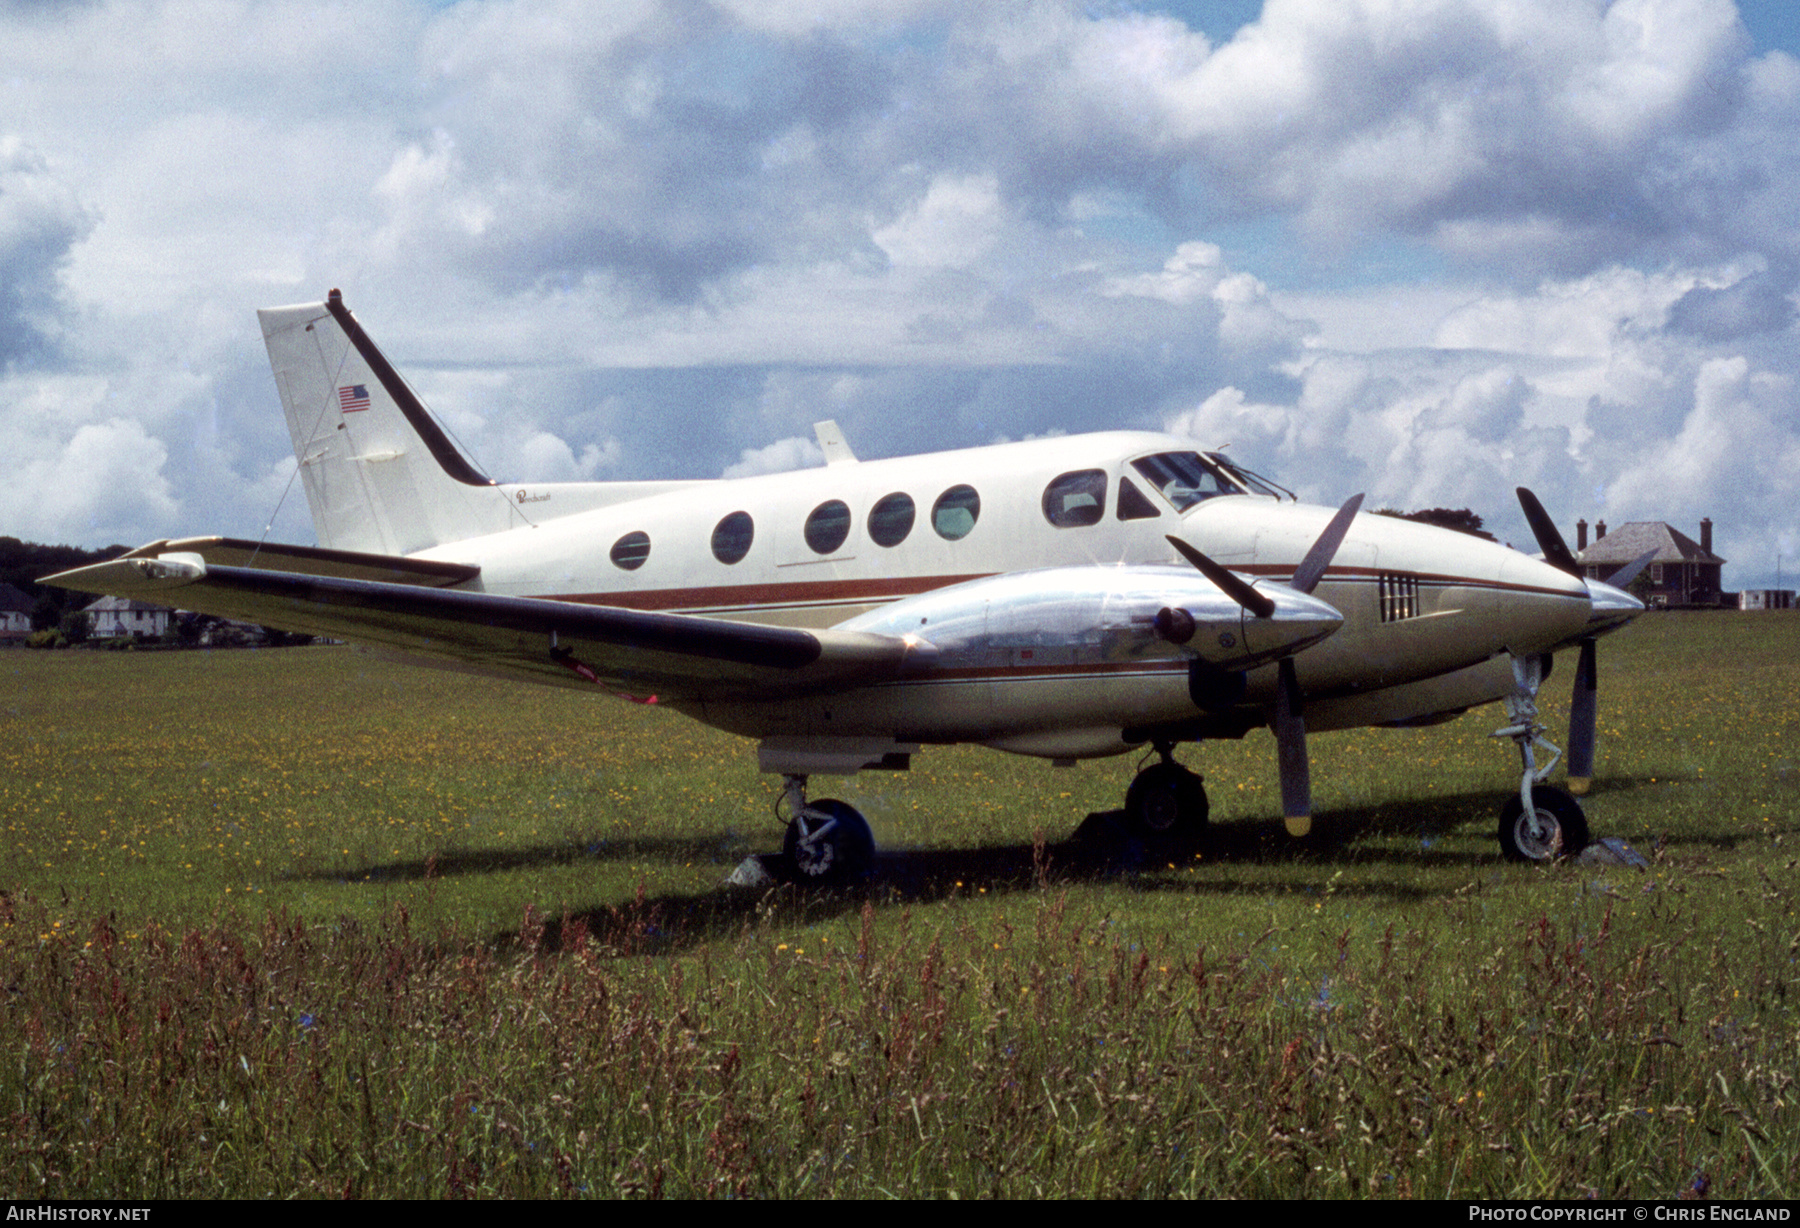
[(298, 924)]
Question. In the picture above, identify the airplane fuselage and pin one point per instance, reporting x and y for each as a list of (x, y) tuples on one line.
[(838, 545)]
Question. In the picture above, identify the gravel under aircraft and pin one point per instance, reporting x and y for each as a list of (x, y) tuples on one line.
[(1066, 598)]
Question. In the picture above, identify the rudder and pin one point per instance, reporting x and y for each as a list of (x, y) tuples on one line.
[(380, 474)]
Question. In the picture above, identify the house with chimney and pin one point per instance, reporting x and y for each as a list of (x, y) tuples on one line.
[(1682, 571)]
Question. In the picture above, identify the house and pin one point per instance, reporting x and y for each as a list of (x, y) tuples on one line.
[(1682, 571), (15, 613), (111, 617)]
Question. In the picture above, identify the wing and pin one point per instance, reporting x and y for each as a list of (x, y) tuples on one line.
[(402, 605)]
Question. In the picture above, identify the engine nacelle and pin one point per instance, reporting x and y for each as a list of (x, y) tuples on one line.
[(1085, 615)]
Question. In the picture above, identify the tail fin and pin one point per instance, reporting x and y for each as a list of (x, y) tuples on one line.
[(381, 476)]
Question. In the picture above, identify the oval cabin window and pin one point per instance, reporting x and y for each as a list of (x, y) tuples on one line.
[(828, 526), (955, 512), (891, 519), (732, 537), (631, 550)]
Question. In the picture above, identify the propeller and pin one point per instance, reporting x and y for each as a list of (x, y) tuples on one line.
[(1291, 758), (1584, 699), (1229, 582)]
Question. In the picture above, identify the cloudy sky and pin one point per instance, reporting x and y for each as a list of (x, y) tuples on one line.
[(1427, 249)]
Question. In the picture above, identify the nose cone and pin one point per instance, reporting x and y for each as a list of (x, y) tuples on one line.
[(1610, 608)]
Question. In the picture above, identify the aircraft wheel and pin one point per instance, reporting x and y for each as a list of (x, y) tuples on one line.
[(836, 847), (1557, 829), (1166, 798)]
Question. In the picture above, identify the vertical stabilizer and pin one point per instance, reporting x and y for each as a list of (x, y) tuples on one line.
[(380, 474)]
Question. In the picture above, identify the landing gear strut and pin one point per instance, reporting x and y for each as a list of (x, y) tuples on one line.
[(1540, 822), (827, 842), (1165, 798)]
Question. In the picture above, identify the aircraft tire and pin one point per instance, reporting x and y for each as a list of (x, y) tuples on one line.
[(840, 855), (1561, 829), (1166, 799)]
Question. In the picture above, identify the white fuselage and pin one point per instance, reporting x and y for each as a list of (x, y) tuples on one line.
[(1424, 609)]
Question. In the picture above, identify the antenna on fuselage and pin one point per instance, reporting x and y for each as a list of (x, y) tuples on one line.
[(832, 443)]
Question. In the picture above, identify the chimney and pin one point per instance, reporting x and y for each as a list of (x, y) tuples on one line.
[(1599, 529), (1581, 535), (1706, 534)]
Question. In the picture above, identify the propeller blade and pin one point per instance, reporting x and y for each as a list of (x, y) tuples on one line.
[(1583, 707), (1623, 577), (1290, 751), (1312, 567), (1556, 550), (1232, 585)]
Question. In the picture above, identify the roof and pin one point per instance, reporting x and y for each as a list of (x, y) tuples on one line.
[(14, 601), (1628, 541), (123, 605)]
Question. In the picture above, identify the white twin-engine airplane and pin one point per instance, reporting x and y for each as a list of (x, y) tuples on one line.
[(1067, 598)]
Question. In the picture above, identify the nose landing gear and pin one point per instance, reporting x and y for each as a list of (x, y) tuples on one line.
[(1540, 822)]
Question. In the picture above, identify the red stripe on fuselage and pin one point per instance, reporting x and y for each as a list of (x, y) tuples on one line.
[(737, 598), (797, 593)]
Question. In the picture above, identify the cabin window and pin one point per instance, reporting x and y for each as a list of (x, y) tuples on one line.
[(630, 551), (955, 512), (732, 537), (1134, 504), (1076, 499), (1183, 478), (828, 526), (891, 519)]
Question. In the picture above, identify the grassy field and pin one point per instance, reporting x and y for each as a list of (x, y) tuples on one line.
[(302, 923)]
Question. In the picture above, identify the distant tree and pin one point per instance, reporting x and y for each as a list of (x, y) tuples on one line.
[(1461, 520), (75, 626), (24, 563)]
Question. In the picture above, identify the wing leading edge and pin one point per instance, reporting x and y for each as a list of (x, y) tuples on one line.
[(632, 652)]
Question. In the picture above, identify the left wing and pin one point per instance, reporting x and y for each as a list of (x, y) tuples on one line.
[(631, 652)]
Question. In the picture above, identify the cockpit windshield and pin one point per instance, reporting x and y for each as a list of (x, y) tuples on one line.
[(1255, 483), (1187, 478)]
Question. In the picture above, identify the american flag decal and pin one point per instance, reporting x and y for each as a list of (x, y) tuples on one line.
[(353, 397)]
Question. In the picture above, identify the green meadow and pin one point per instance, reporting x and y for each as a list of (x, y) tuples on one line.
[(303, 923)]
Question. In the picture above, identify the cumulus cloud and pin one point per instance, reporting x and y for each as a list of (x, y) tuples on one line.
[(106, 484), (794, 452), (649, 239), (40, 220)]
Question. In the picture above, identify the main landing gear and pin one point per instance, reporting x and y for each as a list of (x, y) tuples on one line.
[(1540, 822), (828, 842), (1165, 798)]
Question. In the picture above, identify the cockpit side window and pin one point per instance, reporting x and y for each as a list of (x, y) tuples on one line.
[(1134, 504), (1184, 478), (1076, 499)]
